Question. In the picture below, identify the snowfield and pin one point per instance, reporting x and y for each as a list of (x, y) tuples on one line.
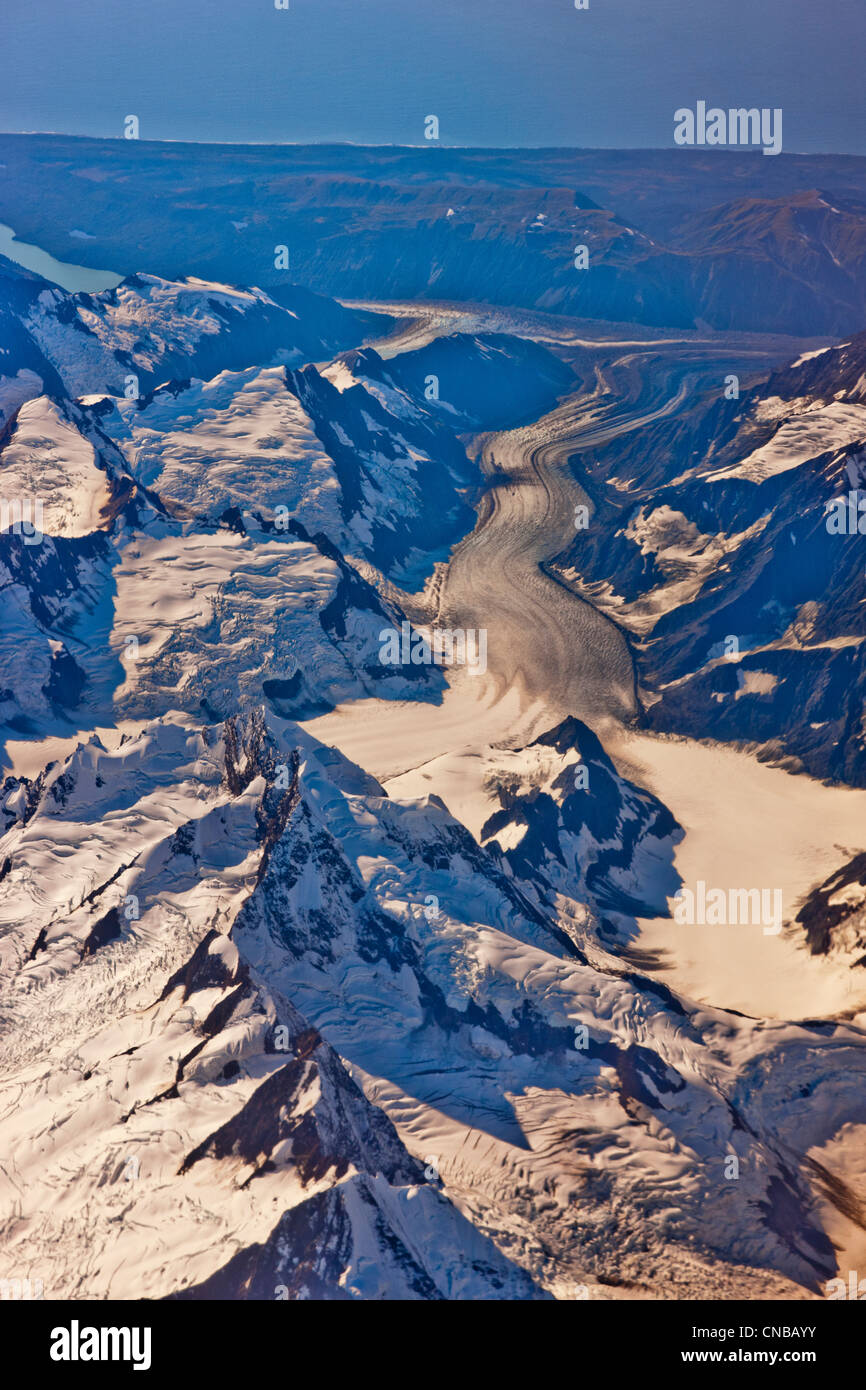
[(47, 459), (323, 978)]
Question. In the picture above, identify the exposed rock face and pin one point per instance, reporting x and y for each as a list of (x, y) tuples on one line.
[(280, 1033), (208, 994), (739, 574), (675, 236)]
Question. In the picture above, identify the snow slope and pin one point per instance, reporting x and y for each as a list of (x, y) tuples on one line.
[(272, 1029), (208, 899)]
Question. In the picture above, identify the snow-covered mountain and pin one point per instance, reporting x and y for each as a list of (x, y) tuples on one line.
[(286, 1032), (172, 1078), (148, 330), (279, 1031), (727, 542), (25, 371), (487, 381)]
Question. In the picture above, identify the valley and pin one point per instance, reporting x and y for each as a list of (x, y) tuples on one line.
[(331, 944)]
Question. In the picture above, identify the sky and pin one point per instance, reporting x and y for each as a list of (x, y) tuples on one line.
[(495, 72)]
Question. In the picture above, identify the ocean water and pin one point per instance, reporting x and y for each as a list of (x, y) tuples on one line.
[(496, 73)]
